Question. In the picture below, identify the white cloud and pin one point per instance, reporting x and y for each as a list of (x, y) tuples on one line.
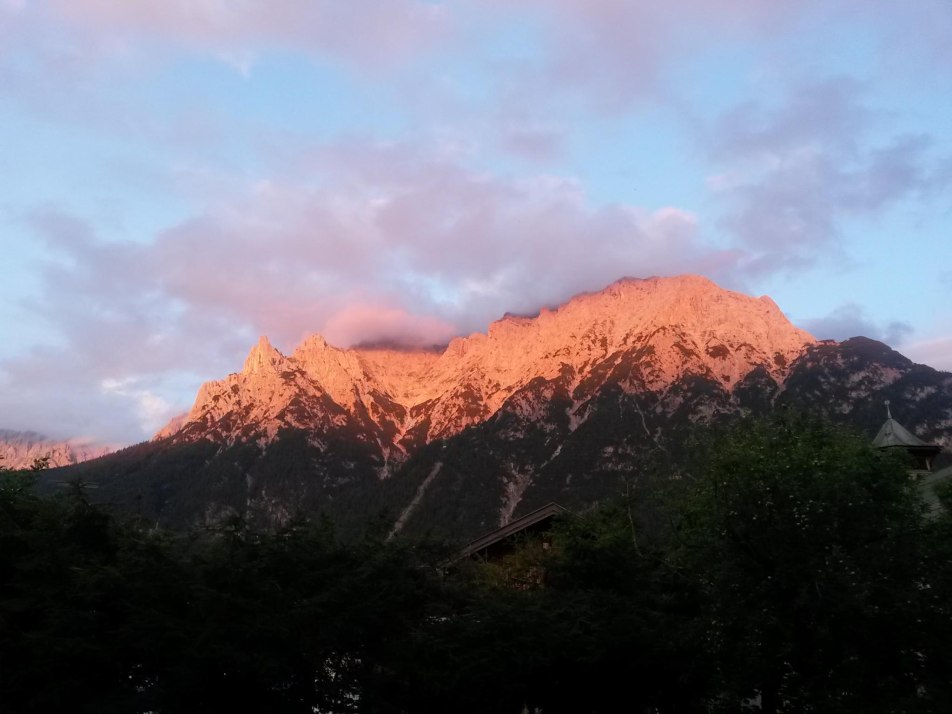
[(152, 411)]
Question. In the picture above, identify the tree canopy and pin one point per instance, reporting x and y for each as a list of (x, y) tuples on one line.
[(795, 572), (807, 547)]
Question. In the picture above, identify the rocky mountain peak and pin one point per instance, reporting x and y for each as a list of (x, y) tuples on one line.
[(656, 329), (568, 405), (263, 358)]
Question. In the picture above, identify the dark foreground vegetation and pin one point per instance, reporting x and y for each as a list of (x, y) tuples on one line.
[(792, 569)]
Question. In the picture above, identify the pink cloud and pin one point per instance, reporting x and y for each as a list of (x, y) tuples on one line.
[(614, 53), (610, 55), (417, 232), (401, 246), (377, 323), (531, 141), (936, 352), (364, 32)]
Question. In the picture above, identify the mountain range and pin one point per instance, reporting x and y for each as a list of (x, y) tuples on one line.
[(573, 404), (19, 449)]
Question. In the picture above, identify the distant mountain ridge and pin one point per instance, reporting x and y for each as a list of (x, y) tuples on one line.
[(569, 405), (19, 449)]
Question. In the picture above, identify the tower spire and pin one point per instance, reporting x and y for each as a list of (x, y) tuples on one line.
[(888, 413)]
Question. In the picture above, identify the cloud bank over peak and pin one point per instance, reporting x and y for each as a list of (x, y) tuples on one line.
[(180, 177), (395, 233), (403, 247)]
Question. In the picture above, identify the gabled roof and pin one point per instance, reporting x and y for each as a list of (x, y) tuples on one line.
[(537, 516)]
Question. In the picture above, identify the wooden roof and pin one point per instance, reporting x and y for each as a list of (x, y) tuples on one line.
[(526, 522)]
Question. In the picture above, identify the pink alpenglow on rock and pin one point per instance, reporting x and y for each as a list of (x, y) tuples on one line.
[(687, 324)]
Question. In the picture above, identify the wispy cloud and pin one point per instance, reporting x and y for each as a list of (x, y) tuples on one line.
[(397, 226), (796, 171), (366, 33), (613, 54), (851, 320), (402, 245)]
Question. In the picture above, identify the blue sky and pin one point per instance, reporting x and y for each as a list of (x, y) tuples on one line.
[(177, 178)]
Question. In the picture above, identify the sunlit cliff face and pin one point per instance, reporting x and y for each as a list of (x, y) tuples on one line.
[(19, 450), (669, 327)]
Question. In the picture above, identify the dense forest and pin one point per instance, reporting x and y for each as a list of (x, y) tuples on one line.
[(789, 568)]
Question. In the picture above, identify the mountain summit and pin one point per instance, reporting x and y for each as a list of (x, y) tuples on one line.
[(668, 327), (571, 405)]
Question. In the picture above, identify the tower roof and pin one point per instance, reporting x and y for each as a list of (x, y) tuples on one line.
[(892, 433)]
